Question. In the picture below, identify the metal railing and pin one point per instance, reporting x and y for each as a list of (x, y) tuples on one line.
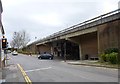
[(86, 22)]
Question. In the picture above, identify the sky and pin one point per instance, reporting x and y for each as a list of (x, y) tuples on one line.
[(41, 18)]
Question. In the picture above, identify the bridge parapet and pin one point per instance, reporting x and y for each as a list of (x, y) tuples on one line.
[(114, 15)]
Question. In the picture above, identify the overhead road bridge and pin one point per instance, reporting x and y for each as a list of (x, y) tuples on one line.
[(83, 41)]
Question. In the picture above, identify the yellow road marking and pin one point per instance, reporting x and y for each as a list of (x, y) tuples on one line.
[(27, 79)]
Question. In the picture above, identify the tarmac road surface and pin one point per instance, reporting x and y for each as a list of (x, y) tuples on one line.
[(46, 70)]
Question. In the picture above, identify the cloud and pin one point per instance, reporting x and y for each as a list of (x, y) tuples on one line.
[(51, 19), (43, 17)]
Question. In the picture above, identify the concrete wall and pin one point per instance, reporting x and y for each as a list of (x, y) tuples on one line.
[(44, 48), (1, 34), (88, 44), (31, 48), (108, 35)]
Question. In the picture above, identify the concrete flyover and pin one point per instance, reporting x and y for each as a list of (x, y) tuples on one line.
[(82, 41)]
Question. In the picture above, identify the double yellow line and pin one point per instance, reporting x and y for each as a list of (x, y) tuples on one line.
[(27, 79)]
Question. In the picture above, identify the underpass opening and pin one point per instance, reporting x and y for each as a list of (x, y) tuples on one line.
[(66, 50), (72, 51)]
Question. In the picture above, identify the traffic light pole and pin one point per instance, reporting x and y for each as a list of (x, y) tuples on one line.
[(4, 48), (5, 56)]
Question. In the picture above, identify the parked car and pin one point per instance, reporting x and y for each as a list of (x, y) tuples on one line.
[(8, 51), (45, 56), (14, 53)]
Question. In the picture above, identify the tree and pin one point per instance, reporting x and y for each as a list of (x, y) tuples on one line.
[(20, 39)]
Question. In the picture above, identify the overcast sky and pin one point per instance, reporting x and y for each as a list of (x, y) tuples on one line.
[(41, 18)]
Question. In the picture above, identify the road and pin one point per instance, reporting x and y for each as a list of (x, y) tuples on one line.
[(58, 71)]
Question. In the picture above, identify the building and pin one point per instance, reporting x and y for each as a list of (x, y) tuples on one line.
[(1, 35)]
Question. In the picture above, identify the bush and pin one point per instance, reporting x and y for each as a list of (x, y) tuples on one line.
[(107, 57), (103, 57), (110, 55), (111, 50), (113, 58)]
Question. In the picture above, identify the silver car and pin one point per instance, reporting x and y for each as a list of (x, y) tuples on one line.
[(14, 53)]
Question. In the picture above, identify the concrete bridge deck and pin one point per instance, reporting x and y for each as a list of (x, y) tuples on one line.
[(89, 38), (85, 27)]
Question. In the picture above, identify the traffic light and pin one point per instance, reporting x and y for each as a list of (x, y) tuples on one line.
[(4, 43)]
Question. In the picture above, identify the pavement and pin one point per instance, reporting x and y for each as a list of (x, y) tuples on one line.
[(90, 63), (11, 74)]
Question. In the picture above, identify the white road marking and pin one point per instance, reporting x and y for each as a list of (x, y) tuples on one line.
[(38, 69)]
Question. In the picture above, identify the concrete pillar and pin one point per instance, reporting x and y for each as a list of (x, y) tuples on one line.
[(98, 40), (52, 50), (65, 51), (80, 50)]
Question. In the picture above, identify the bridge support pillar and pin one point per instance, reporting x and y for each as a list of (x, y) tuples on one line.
[(52, 50), (80, 50)]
